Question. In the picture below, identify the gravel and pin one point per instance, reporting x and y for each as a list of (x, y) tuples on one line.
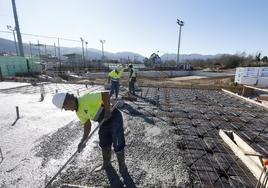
[(52, 146), (152, 156)]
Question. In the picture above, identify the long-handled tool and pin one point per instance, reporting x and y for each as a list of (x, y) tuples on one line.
[(2, 157), (75, 153)]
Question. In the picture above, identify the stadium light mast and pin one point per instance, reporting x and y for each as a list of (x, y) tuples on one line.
[(9, 27), (86, 49), (102, 47), (17, 27), (82, 40), (180, 23)]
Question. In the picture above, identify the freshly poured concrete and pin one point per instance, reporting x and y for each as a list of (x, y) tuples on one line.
[(43, 139)]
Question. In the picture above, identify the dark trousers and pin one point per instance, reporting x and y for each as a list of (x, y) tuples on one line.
[(111, 132), (114, 89), (131, 86)]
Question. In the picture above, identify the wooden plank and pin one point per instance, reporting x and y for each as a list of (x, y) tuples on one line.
[(242, 150), (246, 99), (262, 97), (256, 88)]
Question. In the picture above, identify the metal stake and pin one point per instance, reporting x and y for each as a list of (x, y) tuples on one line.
[(2, 157), (17, 110)]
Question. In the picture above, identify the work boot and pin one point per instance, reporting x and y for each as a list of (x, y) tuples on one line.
[(121, 161), (106, 155)]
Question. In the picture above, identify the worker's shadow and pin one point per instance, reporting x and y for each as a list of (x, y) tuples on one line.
[(115, 181), (128, 109)]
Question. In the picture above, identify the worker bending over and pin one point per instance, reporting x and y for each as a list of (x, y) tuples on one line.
[(96, 106)]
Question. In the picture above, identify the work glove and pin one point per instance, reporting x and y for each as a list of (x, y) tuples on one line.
[(81, 146)]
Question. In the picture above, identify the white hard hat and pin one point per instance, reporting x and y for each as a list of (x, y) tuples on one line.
[(58, 99), (118, 67)]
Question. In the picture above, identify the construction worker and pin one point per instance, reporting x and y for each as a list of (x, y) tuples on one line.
[(96, 106), (132, 79), (115, 76)]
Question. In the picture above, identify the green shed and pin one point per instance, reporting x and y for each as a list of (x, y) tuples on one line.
[(13, 65)]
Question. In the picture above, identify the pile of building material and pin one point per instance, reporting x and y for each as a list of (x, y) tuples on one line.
[(252, 76)]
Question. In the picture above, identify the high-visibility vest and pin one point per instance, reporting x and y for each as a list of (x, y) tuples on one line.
[(133, 75), (88, 106), (116, 76)]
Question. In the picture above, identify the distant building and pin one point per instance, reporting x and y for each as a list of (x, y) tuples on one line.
[(73, 59), (112, 66)]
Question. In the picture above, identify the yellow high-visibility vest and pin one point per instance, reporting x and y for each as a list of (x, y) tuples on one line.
[(133, 75), (88, 106), (116, 76)]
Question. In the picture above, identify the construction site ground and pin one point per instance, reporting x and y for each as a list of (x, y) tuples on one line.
[(201, 82), (172, 139)]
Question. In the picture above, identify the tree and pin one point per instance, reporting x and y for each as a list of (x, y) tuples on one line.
[(155, 58), (147, 62), (264, 59), (258, 57)]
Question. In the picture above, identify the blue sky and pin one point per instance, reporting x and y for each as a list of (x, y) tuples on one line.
[(146, 26)]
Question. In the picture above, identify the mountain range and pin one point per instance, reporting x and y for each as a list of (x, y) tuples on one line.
[(92, 53)]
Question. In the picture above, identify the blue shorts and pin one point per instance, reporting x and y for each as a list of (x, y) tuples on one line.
[(114, 88), (112, 132)]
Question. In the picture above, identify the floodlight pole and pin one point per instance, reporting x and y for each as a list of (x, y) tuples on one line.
[(31, 49), (59, 54), (55, 50), (83, 54), (17, 27), (9, 27), (180, 23), (39, 52), (86, 50), (102, 47), (45, 49)]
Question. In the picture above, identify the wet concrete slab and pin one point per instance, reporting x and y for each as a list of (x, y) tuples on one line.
[(172, 142)]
